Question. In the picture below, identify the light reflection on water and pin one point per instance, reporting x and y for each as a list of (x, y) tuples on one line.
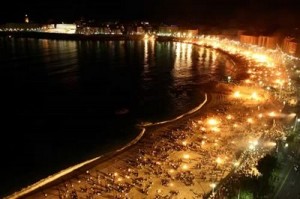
[(66, 95), (183, 61)]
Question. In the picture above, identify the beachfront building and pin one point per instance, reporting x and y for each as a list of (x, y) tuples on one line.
[(167, 30), (89, 30), (267, 41), (291, 46), (26, 19), (190, 33), (32, 27), (63, 28), (248, 39), (18, 27)]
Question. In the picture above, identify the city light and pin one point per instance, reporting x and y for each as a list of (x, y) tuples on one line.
[(271, 144), (237, 94), (185, 167), (250, 120), (186, 156), (212, 122), (254, 96), (236, 164), (219, 160), (272, 114), (215, 129), (213, 185), (286, 145), (229, 117)]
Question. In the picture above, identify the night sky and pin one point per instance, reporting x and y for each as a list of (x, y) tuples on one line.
[(216, 12)]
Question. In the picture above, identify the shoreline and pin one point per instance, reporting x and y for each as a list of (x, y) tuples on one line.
[(107, 156), (178, 117), (156, 136), (74, 170)]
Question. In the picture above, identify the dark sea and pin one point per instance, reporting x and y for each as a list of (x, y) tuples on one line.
[(64, 102)]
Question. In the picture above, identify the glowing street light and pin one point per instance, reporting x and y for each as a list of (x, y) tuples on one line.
[(254, 96), (272, 114), (229, 78), (250, 120), (297, 120), (286, 145), (251, 147), (253, 144), (236, 163), (237, 94), (213, 186), (271, 144), (212, 122), (215, 129), (186, 156), (229, 117), (119, 179), (185, 167), (219, 160)]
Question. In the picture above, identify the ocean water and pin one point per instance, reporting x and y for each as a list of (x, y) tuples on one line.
[(66, 101)]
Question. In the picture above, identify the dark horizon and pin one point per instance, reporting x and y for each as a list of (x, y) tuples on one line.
[(215, 12)]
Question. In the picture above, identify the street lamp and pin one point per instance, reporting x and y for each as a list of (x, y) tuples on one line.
[(213, 186), (229, 78), (296, 122)]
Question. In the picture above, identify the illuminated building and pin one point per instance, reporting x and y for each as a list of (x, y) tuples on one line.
[(186, 33), (267, 41), (16, 27), (167, 30), (63, 28), (140, 30), (26, 18), (290, 46), (248, 39)]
